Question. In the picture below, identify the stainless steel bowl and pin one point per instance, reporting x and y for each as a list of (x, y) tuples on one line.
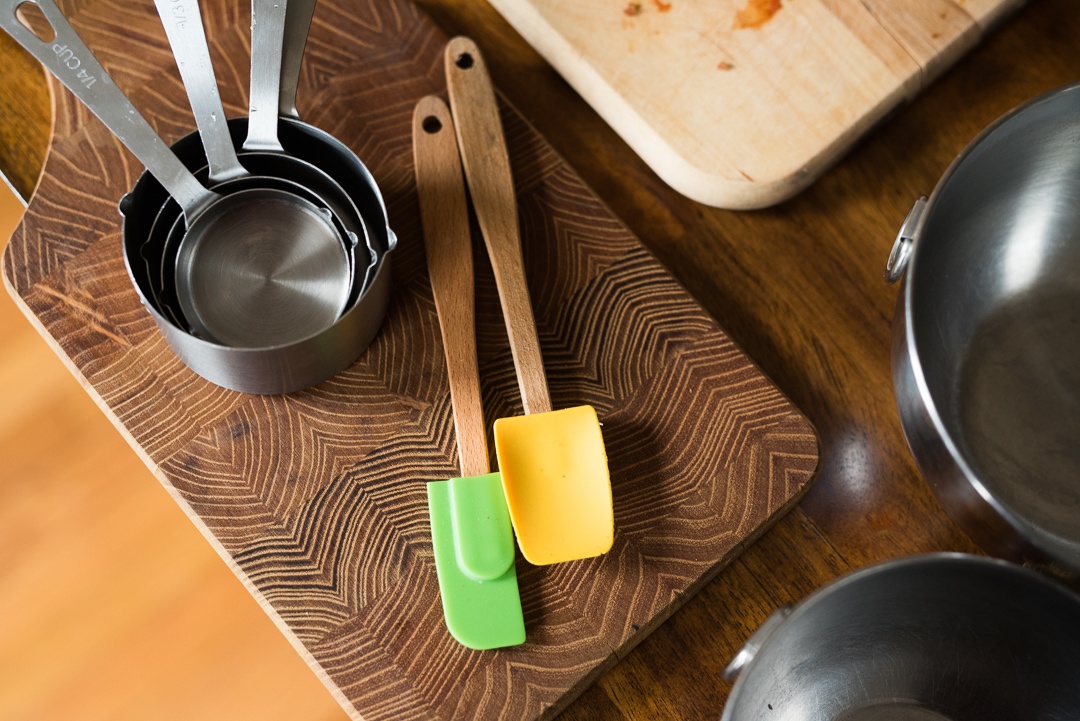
[(986, 335), (943, 637)]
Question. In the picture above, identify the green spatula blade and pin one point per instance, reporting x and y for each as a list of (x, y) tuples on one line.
[(480, 614)]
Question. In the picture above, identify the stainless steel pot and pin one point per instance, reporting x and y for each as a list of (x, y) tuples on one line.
[(943, 637), (986, 334)]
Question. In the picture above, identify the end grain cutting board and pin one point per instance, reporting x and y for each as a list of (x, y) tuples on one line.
[(316, 500), (743, 103)]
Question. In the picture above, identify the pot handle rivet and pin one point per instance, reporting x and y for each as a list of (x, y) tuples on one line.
[(755, 642), (905, 242)]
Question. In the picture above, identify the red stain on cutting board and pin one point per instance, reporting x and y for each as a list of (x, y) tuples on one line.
[(756, 13)]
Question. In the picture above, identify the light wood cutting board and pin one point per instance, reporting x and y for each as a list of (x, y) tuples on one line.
[(743, 103)]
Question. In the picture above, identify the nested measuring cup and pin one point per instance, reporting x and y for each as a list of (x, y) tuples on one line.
[(275, 369), (291, 366), (158, 251), (162, 246), (188, 297), (265, 282), (201, 286)]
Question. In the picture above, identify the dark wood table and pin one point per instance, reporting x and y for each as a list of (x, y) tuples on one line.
[(798, 286)]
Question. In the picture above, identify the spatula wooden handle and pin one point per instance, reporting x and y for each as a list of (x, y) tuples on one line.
[(445, 219), (487, 169)]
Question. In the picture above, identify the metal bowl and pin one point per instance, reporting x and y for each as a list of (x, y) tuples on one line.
[(986, 335), (943, 637)]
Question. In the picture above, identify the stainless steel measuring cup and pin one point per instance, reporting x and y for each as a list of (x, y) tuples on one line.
[(206, 273), (268, 169), (267, 268), (278, 369), (158, 250), (295, 365), (278, 36), (160, 246)]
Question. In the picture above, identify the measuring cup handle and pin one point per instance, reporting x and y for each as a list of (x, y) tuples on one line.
[(267, 38), (297, 24), (68, 58), (182, 20)]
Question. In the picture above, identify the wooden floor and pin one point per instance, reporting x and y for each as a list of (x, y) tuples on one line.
[(112, 606)]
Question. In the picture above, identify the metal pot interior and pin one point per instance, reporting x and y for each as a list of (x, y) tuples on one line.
[(993, 308), (946, 637)]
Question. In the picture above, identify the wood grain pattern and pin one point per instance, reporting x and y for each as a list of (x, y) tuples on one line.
[(742, 109), (316, 500)]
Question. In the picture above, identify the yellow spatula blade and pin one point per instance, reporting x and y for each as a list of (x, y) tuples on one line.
[(555, 476)]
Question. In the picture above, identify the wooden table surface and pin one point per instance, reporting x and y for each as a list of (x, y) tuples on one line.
[(798, 286)]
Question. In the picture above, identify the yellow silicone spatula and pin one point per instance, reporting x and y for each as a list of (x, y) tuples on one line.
[(470, 526), (553, 464)]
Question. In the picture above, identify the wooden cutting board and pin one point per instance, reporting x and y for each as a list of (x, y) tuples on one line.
[(317, 499), (743, 103)]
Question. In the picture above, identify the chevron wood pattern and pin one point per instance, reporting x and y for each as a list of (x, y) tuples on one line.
[(316, 500)]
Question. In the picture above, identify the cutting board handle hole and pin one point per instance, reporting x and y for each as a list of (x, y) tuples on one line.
[(464, 61), (30, 15), (431, 125)]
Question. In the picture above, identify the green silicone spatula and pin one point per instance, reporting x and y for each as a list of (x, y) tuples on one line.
[(553, 463), (470, 526)]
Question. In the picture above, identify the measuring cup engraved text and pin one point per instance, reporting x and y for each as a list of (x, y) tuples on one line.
[(178, 13), (69, 60)]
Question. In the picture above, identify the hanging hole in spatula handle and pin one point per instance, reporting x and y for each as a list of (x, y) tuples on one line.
[(431, 124), (464, 60)]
